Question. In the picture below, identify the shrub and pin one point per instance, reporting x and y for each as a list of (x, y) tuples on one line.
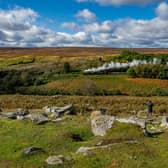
[(157, 71), (67, 67), (131, 72)]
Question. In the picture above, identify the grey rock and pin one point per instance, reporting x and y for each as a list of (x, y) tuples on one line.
[(58, 119), (58, 111), (22, 112), (57, 160), (21, 117), (164, 122), (54, 160), (32, 150), (84, 150), (88, 153), (101, 123), (10, 115), (132, 120), (37, 118)]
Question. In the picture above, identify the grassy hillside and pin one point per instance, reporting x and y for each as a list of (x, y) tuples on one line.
[(34, 78), (56, 138)]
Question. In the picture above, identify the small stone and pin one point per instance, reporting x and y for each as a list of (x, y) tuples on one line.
[(88, 153), (54, 160), (32, 150)]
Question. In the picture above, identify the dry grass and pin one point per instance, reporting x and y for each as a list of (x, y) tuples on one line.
[(71, 51), (115, 105), (143, 81)]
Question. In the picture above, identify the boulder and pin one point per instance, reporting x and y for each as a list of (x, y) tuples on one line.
[(19, 114), (22, 112), (49, 109), (58, 111), (37, 118), (164, 122), (10, 115), (132, 120), (101, 123), (95, 114)]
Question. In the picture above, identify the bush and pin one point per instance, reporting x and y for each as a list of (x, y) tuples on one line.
[(67, 67), (149, 71), (131, 72)]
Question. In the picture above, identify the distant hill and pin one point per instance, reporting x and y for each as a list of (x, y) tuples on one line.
[(73, 51)]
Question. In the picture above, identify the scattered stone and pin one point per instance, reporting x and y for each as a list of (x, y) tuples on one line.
[(38, 118), (10, 115), (19, 114), (132, 120), (101, 123), (58, 111), (86, 149), (57, 160), (22, 112), (32, 150), (54, 160), (88, 153), (58, 119), (1, 110), (21, 117)]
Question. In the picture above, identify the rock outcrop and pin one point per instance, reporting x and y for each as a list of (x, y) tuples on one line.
[(100, 123), (132, 120), (164, 122), (58, 111), (37, 118)]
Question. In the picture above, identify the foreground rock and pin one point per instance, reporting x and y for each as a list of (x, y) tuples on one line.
[(85, 150), (32, 149), (37, 118), (132, 120), (58, 111), (164, 122), (57, 160), (19, 114), (100, 123)]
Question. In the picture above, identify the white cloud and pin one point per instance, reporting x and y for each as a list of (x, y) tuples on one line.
[(121, 2), (17, 19), (162, 10), (18, 27), (69, 25), (86, 15)]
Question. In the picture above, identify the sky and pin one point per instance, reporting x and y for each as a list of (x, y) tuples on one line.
[(87, 23)]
